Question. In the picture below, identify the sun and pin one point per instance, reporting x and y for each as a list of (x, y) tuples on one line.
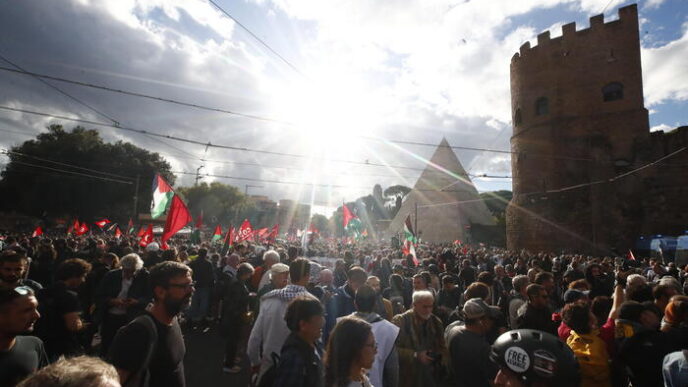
[(327, 111)]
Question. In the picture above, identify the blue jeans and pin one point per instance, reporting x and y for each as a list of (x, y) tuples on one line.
[(200, 304)]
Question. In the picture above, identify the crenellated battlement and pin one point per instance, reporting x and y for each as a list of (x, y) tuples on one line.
[(627, 16)]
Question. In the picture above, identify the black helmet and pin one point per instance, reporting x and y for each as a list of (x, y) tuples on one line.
[(536, 356)]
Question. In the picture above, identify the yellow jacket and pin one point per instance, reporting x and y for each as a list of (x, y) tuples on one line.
[(591, 352)]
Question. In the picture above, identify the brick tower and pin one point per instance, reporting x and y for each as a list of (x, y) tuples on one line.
[(578, 115)]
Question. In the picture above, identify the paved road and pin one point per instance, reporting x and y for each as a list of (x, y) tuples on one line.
[(203, 362)]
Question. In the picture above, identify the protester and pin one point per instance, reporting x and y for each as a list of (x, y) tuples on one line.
[(19, 355), (81, 371), (342, 302), (270, 258), (383, 307), (518, 299), (385, 369), (236, 317), (204, 280), (536, 314), (12, 271), (351, 351), (151, 347), (421, 346), (122, 295), (300, 363), (279, 278), (270, 330), (587, 346), (469, 350), (60, 308)]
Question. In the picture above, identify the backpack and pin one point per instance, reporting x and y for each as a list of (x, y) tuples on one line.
[(269, 377), (142, 377)]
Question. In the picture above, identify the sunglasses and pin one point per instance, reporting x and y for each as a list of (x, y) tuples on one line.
[(19, 291)]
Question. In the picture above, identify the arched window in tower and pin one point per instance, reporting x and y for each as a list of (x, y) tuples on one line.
[(612, 91), (517, 117), (541, 106)]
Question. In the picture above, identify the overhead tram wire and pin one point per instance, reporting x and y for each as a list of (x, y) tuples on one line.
[(9, 152), (261, 41), (72, 172), (266, 119), (270, 180)]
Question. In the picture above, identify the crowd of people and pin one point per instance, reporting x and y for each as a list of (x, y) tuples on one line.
[(103, 311)]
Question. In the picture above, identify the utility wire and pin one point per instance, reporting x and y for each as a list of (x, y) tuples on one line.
[(9, 152), (256, 117), (261, 41), (72, 172), (140, 95)]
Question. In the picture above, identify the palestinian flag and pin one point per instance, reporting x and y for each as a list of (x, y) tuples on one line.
[(103, 222), (118, 233), (217, 235), (37, 232), (162, 196), (350, 221), (229, 240), (409, 240), (130, 226), (347, 216)]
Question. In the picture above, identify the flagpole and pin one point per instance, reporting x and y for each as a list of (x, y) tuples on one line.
[(136, 197), (415, 225)]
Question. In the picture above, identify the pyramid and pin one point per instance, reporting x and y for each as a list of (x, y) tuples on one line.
[(437, 191)]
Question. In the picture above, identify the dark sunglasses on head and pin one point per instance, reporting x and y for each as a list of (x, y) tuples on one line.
[(7, 295)]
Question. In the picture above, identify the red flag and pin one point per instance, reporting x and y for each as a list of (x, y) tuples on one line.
[(74, 226), (177, 218), (199, 220), (273, 233), (146, 236), (313, 230), (245, 231), (261, 232), (630, 255), (347, 215), (82, 229), (164, 246), (229, 238), (142, 232), (101, 223), (118, 233), (37, 232)]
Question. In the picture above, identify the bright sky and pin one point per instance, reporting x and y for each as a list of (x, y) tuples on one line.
[(358, 73)]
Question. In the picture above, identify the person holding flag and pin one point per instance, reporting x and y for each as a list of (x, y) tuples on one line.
[(408, 248)]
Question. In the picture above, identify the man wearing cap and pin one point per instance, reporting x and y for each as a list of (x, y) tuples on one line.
[(469, 351), (279, 278)]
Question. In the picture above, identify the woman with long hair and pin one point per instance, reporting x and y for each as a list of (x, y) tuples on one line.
[(350, 351)]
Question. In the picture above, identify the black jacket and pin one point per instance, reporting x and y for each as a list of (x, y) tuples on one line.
[(111, 285), (203, 272), (299, 364), (235, 301)]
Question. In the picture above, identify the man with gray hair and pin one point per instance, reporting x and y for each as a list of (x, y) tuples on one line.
[(520, 283), (420, 343), (262, 277), (122, 295)]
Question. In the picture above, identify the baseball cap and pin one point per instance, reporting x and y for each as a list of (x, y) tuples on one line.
[(476, 308), (573, 295)]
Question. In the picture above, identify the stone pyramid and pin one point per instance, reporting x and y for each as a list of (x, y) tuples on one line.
[(437, 191)]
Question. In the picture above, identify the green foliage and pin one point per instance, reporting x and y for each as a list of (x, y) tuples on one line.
[(321, 223), (497, 201), (220, 203), (41, 192)]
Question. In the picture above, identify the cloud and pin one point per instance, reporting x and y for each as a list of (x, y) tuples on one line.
[(659, 127), (665, 72)]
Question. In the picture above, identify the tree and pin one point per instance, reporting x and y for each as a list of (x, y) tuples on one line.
[(222, 202), (321, 223), (395, 195), (76, 174)]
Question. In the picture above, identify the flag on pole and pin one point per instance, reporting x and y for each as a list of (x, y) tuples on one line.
[(229, 240), (102, 223), (177, 218), (146, 236), (245, 231), (630, 255), (409, 240), (141, 233), (37, 232), (130, 226), (273, 234), (74, 227), (162, 196), (118, 232), (82, 229), (199, 220), (347, 215), (217, 235)]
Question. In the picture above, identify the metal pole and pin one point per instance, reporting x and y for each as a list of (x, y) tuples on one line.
[(136, 197), (415, 223)]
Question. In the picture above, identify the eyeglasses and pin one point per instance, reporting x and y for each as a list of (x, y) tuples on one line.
[(184, 286), (8, 295), (23, 290)]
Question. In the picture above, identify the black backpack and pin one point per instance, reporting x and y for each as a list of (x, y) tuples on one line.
[(142, 377)]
